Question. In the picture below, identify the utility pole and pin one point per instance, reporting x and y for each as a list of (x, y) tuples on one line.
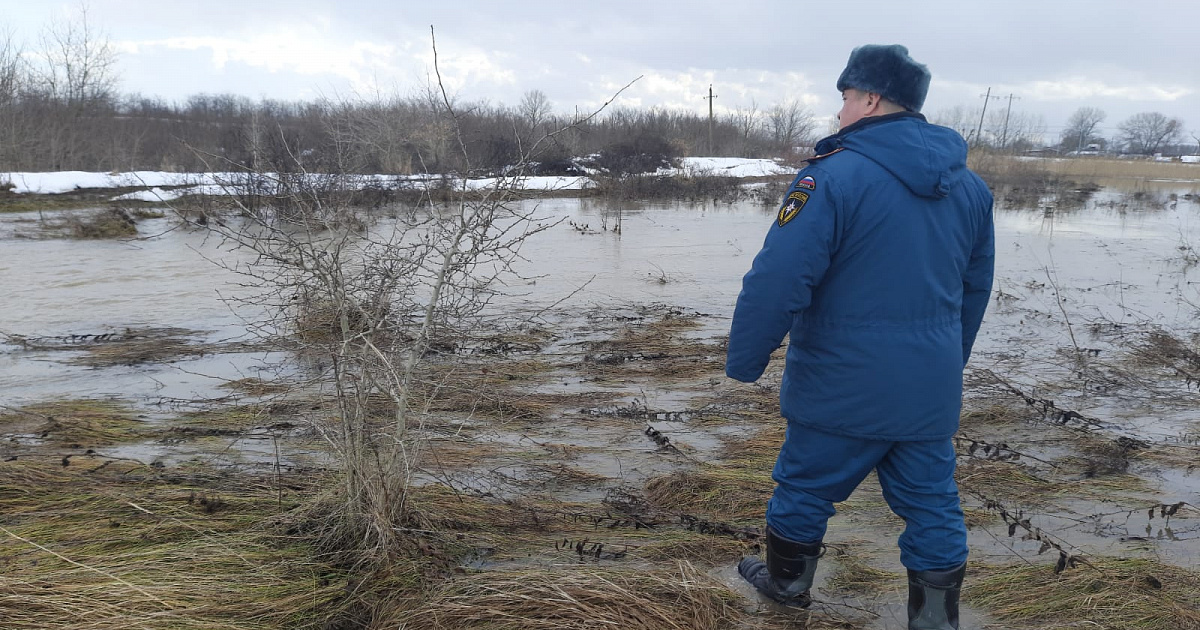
[(710, 98), (979, 130), (1004, 136)]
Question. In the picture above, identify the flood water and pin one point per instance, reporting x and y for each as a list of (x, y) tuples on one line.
[(1061, 275)]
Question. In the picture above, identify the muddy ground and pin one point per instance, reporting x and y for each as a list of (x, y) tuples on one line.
[(597, 470)]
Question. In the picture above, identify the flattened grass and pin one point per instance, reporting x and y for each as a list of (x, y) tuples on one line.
[(565, 597), (721, 493), (117, 547), (76, 424), (855, 575), (1132, 594)]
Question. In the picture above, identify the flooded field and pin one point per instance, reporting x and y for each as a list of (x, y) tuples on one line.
[(596, 441)]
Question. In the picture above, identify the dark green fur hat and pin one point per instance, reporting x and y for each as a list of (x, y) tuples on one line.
[(889, 72)]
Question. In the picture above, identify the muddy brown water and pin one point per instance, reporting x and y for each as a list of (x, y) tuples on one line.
[(1081, 281)]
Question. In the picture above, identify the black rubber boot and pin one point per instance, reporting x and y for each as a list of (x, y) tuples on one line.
[(933, 598), (787, 574)]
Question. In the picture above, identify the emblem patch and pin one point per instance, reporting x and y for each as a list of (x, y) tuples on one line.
[(807, 182), (792, 207)]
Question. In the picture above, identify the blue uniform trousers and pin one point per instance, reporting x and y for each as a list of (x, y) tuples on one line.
[(816, 470)]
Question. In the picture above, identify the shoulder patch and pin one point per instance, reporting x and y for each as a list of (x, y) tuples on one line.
[(792, 206), (807, 182)]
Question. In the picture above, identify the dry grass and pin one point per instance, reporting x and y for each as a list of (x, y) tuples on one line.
[(131, 346), (1102, 168), (76, 424), (143, 345), (110, 223), (994, 414), (654, 348), (693, 546), (255, 386), (1161, 350), (718, 492), (1020, 485), (564, 597), (757, 452), (1003, 481), (1112, 593), (1082, 168), (498, 389), (854, 575), (116, 548)]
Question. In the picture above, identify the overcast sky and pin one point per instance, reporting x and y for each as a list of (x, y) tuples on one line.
[(1052, 55)]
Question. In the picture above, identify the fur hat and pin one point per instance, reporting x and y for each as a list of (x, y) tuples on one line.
[(889, 72)]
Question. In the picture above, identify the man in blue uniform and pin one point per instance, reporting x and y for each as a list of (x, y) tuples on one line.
[(879, 265)]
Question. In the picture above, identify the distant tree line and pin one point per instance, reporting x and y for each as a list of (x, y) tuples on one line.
[(60, 110), (1146, 133)]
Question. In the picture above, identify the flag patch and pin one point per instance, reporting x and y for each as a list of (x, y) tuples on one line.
[(807, 182)]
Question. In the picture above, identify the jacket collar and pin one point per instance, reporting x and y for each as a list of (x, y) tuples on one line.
[(832, 143)]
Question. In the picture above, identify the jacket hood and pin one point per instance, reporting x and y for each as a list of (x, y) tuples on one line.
[(929, 159)]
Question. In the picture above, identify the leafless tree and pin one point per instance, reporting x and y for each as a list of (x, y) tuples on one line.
[(959, 118), (1148, 132), (790, 125), (1081, 127), (747, 119), (13, 81), (1014, 130), (78, 62), (534, 108)]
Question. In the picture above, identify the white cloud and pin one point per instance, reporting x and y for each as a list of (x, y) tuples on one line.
[(469, 68), (733, 88), (1080, 88), (289, 49), (1074, 89)]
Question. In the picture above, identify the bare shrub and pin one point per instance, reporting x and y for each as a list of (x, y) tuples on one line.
[(373, 309), (651, 187)]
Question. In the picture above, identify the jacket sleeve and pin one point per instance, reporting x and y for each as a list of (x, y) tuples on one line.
[(780, 283), (977, 281)]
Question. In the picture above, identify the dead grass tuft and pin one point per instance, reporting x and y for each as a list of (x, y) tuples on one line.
[(1003, 481), (110, 223), (855, 576), (320, 321), (76, 423), (995, 414), (722, 493), (696, 547), (577, 597), (1162, 350), (255, 386), (101, 547), (654, 348), (1112, 593), (757, 452)]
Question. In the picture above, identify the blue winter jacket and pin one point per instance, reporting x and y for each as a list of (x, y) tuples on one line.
[(879, 265)]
